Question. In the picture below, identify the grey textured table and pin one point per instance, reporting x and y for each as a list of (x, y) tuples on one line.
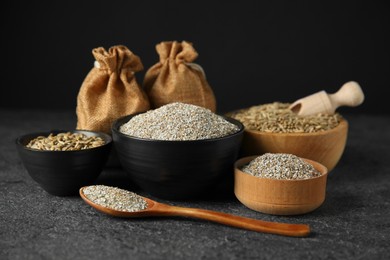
[(353, 222)]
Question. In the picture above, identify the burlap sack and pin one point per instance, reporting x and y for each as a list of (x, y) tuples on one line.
[(110, 90), (176, 79)]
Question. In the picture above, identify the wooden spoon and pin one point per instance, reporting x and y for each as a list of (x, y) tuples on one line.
[(160, 209)]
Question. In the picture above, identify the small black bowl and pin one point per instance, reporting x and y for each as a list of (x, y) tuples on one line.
[(177, 169), (62, 173)]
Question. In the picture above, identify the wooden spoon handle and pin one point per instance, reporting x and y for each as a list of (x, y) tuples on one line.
[(295, 230)]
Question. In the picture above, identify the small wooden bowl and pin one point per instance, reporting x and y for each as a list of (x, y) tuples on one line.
[(279, 197), (324, 147)]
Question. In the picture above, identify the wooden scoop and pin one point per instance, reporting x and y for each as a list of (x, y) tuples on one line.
[(163, 210), (350, 94)]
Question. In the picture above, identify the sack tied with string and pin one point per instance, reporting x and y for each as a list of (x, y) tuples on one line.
[(110, 90), (176, 79)]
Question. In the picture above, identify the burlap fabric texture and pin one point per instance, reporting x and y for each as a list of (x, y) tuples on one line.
[(176, 79), (110, 90)]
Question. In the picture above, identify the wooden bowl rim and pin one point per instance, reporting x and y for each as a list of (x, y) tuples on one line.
[(240, 162), (342, 125)]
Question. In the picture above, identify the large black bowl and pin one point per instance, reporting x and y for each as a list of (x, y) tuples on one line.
[(62, 173), (177, 169)]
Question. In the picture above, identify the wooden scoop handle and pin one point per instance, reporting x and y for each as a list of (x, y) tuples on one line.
[(350, 94), (295, 230)]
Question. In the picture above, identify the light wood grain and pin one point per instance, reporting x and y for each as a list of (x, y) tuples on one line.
[(350, 94), (280, 197), (160, 209), (324, 147)]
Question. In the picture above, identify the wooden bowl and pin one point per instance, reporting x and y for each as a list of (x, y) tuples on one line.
[(279, 197), (324, 147)]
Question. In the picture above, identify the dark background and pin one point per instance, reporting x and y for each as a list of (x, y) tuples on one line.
[(253, 52)]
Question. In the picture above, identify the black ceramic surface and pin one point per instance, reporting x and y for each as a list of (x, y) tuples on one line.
[(62, 173), (177, 169)]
